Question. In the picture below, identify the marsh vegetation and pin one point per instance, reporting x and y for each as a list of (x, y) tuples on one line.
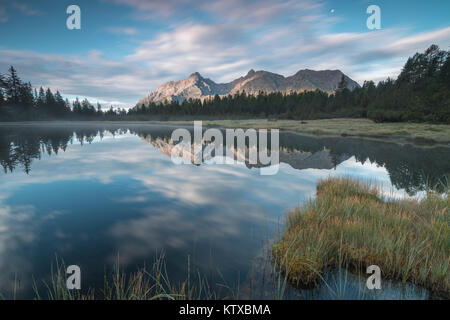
[(350, 225)]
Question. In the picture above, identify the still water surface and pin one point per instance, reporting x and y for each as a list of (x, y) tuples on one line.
[(94, 194)]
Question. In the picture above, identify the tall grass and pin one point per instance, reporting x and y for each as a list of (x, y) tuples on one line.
[(151, 283), (348, 225)]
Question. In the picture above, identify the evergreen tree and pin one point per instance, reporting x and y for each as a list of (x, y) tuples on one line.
[(26, 98), (13, 84), (99, 109), (50, 102), (444, 75), (2, 87), (77, 106), (87, 108), (67, 104), (60, 104), (2, 82), (40, 101), (111, 111)]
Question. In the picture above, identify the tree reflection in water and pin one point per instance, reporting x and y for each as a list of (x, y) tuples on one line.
[(410, 167)]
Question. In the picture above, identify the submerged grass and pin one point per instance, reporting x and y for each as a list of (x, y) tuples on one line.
[(349, 225)]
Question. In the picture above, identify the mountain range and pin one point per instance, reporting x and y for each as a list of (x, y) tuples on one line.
[(198, 87)]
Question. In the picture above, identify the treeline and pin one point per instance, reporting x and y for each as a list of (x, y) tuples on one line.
[(421, 93), (18, 101)]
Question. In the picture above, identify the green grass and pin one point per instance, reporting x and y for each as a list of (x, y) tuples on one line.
[(348, 225)]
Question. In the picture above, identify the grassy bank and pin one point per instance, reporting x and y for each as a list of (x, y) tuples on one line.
[(348, 225), (414, 132)]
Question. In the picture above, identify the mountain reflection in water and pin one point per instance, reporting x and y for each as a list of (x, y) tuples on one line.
[(410, 168)]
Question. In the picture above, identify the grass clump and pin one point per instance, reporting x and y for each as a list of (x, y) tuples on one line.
[(349, 225)]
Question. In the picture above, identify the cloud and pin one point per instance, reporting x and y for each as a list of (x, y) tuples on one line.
[(237, 35), (122, 30), (398, 46), (237, 11), (23, 8), (91, 75), (3, 15), (372, 55), (194, 47), (145, 8)]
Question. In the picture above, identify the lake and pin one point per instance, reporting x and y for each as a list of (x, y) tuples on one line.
[(97, 194)]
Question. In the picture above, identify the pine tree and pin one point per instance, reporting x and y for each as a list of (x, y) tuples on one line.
[(60, 104), (26, 98), (434, 58), (2, 82), (77, 106), (67, 104), (87, 108), (111, 111), (2, 87), (13, 84), (40, 101), (35, 94), (444, 74), (50, 103), (407, 74), (99, 109)]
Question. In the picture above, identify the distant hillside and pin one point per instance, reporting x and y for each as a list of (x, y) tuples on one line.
[(197, 87)]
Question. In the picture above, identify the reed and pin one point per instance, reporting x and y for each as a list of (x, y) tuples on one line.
[(151, 283)]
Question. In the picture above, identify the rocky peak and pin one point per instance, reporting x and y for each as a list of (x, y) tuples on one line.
[(195, 76), (197, 87)]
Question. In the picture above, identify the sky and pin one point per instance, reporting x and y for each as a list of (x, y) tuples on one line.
[(127, 48)]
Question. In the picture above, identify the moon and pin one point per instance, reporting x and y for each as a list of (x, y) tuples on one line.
[(332, 10)]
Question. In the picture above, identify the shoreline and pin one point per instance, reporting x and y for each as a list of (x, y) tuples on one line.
[(418, 134)]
